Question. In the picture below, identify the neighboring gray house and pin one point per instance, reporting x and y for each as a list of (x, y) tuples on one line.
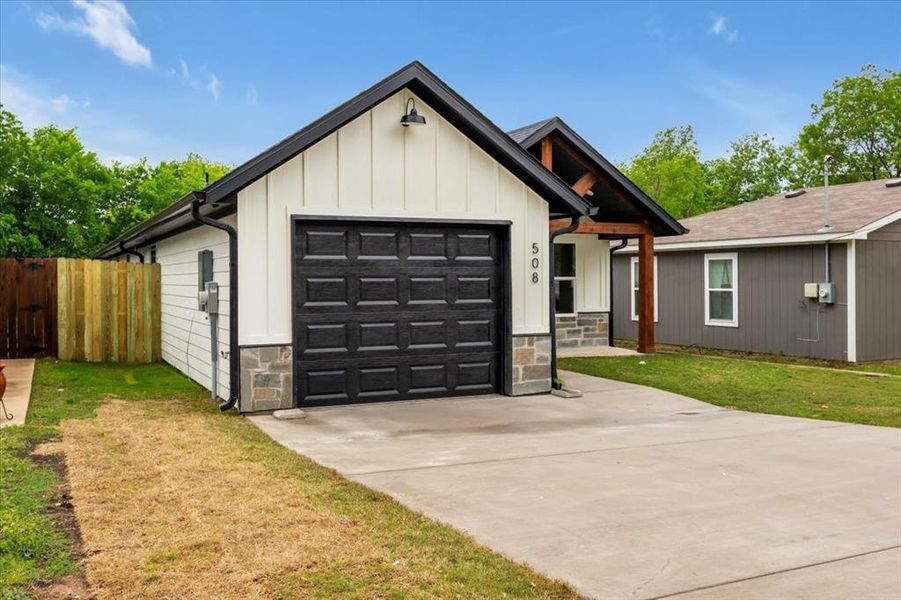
[(739, 280)]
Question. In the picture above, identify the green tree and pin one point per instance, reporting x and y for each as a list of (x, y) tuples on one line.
[(50, 191), (146, 190), (58, 199), (753, 169), (859, 124), (671, 172)]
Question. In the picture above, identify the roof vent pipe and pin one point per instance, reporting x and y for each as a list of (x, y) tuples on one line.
[(826, 161)]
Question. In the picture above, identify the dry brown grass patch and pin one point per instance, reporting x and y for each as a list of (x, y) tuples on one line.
[(168, 509)]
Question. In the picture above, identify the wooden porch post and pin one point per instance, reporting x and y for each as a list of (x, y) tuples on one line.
[(646, 293)]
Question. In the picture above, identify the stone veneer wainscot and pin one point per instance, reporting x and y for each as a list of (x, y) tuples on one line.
[(267, 382), (584, 330)]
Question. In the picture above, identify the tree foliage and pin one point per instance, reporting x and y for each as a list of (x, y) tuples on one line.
[(671, 171), (858, 122), (58, 199)]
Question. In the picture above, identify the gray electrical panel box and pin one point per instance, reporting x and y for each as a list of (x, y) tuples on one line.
[(208, 299), (204, 277), (204, 268), (826, 293)]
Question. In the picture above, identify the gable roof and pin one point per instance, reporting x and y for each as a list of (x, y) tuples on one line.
[(528, 136), (523, 133), (219, 197), (854, 210)]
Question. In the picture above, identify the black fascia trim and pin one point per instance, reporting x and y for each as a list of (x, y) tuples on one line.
[(179, 223), (670, 225), (440, 97)]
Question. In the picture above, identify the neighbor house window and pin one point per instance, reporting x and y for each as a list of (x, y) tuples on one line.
[(634, 287), (721, 289), (565, 278)]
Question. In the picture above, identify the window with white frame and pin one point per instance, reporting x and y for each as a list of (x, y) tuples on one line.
[(721, 289), (565, 279), (633, 270)]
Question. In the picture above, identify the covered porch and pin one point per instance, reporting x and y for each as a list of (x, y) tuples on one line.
[(581, 275)]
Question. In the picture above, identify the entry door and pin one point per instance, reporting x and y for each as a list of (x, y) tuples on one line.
[(393, 311)]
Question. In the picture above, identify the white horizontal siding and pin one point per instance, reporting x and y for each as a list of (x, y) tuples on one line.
[(185, 329), (373, 167)]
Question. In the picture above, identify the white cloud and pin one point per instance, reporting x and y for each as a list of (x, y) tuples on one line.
[(720, 27), (749, 105), (252, 95), (214, 86), (110, 134), (32, 104), (108, 23)]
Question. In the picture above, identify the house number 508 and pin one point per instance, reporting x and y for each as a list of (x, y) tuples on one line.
[(535, 262)]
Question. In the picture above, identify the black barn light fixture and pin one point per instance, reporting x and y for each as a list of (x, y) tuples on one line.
[(411, 117)]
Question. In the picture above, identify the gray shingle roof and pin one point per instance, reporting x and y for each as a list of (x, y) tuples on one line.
[(851, 207), (522, 133)]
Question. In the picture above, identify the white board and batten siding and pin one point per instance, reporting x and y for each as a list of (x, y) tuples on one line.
[(185, 329), (374, 167), (592, 271)]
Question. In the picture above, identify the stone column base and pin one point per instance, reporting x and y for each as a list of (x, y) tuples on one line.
[(531, 364), (267, 382)]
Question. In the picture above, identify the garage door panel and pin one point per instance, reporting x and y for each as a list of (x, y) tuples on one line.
[(330, 336), (425, 246), (325, 292), (379, 291), (360, 380), (379, 246), (385, 244), (393, 311), (325, 245), (420, 289)]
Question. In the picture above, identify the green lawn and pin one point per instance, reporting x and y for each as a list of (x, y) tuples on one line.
[(781, 389), (174, 499), (889, 367), (33, 546)]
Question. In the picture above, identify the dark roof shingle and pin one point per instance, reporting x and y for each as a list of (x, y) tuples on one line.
[(523, 133)]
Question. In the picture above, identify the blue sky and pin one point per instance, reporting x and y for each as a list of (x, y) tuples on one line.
[(228, 79)]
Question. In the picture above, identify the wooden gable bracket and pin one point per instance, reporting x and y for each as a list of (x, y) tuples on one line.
[(643, 231), (589, 168), (645, 235)]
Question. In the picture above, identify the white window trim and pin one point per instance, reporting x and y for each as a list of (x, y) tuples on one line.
[(733, 256), (574, 278), (632, 286)]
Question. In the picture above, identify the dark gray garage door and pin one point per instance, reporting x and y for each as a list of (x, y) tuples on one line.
[(396, 311)]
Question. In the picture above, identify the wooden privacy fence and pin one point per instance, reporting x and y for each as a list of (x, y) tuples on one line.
[(108, 311), (27, 307)]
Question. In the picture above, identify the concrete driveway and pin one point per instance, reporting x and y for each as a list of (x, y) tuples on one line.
[(632, 492)]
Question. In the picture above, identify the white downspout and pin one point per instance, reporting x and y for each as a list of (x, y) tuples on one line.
[(851, 266)]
